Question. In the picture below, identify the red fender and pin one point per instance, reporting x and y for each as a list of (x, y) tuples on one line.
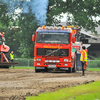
[(4, 48)]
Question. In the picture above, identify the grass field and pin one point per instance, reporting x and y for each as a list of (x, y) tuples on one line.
[(22, 67), (89, 91), (26, 67), (93, 69)]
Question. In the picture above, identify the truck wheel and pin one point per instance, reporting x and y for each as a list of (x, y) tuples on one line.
[(37, 70), (69, 70), (46, 70), (75, 64)]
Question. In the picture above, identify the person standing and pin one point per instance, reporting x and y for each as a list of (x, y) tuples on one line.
[(12, 57), (83, 58)]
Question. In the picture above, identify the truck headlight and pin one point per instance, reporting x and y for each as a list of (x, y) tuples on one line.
[(46, 60), (38, 59), (57, 61), (65, 60), (66, 64), (50, 60), (54, 61)]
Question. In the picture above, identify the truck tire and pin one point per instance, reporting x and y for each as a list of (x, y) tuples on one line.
[(46, 70), (37, 70), (69, 70), (75, 64)]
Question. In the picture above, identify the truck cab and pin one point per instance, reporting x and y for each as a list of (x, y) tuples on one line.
[(53, 49)]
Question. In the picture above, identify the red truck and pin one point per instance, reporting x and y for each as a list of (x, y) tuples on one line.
[(53, 49)]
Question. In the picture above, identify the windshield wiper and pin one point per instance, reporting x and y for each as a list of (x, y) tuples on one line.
[(52, 52)]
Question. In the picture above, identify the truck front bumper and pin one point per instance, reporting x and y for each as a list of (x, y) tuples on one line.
[(53, 65)]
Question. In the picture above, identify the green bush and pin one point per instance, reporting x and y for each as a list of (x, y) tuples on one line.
[(94, 63)]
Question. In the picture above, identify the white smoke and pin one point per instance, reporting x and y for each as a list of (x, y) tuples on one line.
[(38, 8)]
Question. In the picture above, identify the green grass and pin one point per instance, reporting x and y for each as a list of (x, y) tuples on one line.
[(26, 67), (89, 91), (88, 96), (93, 69), (21, 67)]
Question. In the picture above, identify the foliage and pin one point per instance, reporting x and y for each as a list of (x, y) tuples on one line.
[(19, 35), (21, 67), (4, 18), (82, 12), (19, 39), (93, 69), (18, 32), (28, 25), (12, 36), (97, 58), (93, 64)]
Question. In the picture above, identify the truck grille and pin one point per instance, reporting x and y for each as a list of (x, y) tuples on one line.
[(52, 52)]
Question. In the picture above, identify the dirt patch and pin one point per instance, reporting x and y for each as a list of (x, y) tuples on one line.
[(16, 84)]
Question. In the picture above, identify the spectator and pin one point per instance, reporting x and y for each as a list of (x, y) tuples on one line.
[(12, 57)]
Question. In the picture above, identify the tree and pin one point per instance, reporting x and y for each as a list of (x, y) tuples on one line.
[(28, 25), (4, 18), (19, 35), (19, 29), (81, 10), (12, 36)]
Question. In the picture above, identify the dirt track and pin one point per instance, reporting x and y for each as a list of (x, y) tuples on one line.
[(16, 84)]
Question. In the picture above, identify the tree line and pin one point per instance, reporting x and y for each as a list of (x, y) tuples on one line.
[(19, 30)]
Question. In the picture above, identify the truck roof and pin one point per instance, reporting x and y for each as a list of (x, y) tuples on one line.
[(52, 29)]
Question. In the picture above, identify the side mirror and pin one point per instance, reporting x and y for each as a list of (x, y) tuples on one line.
[(73, 39), (33, 37)]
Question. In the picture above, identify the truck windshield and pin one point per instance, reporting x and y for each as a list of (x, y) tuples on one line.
[(63, 38)]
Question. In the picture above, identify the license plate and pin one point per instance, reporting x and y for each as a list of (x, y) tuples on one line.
[(51, 66)]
